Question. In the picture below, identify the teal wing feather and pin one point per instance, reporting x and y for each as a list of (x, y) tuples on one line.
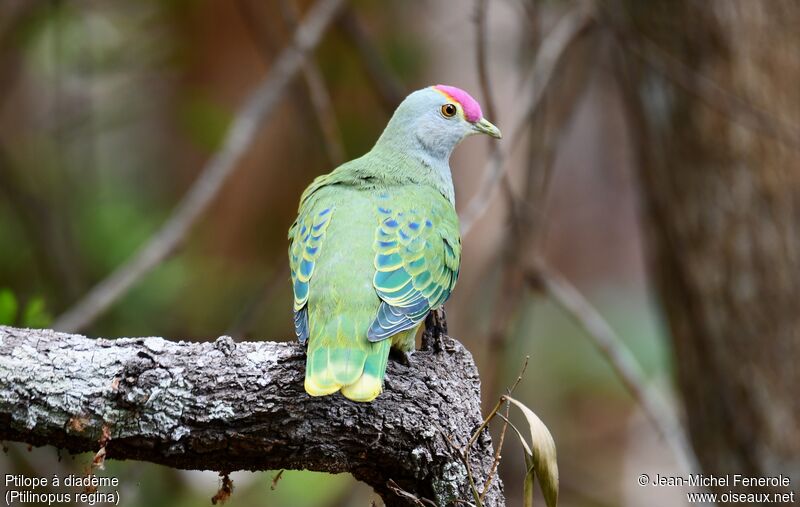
[(417, 259), (306, 237)]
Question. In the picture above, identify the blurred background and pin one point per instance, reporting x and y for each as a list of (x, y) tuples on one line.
[(666, 128)]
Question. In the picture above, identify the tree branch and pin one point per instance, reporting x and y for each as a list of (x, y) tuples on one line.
[(657, 409), (549, 56), (318, 95), (390, 90), (240, 135), (229, 406)]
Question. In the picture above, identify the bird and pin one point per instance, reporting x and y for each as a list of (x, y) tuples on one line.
[(376, 244)]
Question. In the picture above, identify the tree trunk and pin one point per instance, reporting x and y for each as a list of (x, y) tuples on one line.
[(229, 406), (720, 173)]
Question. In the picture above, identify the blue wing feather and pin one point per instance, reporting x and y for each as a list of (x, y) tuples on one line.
[(394, 319), (306, 237), (301, 324), (416, 267)]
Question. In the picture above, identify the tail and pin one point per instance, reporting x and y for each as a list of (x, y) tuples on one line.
[(338, 361)]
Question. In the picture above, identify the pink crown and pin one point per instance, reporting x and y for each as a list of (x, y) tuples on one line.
[(472, 110)]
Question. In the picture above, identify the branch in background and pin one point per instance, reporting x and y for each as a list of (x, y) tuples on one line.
[(256, 17), (519, 247), (240, 135), (622, 361), (229, 406), (390, 91), (318, 98), (506, 423), (525, 237), (316, 102), (481, 20), (639, 129), (550, 54), (318, 95), (659, 412)]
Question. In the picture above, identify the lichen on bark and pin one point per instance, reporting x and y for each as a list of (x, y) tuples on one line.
[(229, 406)]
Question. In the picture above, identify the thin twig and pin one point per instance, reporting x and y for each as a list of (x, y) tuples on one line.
[(255, 15), (511, 389), (547, 60), (481, 20), (497, 455), (464, 457), (508, 421), (502, 400), (525, 237), (390, 90), (485, 423), (623, 362), (482, 43), (241, 134), (465, 454)]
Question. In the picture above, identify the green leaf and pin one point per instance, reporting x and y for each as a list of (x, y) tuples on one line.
[(8, 307), (35, 314), (541, 459)]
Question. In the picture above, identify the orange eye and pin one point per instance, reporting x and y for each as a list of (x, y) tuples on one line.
[(449, 110)]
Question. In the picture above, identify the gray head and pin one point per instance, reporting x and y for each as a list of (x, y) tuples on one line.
[(434, 120)]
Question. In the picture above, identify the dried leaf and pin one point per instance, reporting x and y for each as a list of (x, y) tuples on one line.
[(99, 460), (276, 479), (543, 455), (105, 437), (530, 479), (225, 489)]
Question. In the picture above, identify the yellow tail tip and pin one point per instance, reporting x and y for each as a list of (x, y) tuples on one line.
[(315, 389), (366, 388)]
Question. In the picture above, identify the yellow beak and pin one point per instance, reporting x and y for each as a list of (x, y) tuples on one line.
[(484, 126)]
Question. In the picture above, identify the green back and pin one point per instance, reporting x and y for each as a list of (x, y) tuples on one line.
[(369, 259)]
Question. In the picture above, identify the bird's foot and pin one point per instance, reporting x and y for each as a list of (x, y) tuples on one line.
[(435, 329), (401, 357)]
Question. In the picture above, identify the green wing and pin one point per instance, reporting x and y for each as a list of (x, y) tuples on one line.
[(417, 258), (306, 237)]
